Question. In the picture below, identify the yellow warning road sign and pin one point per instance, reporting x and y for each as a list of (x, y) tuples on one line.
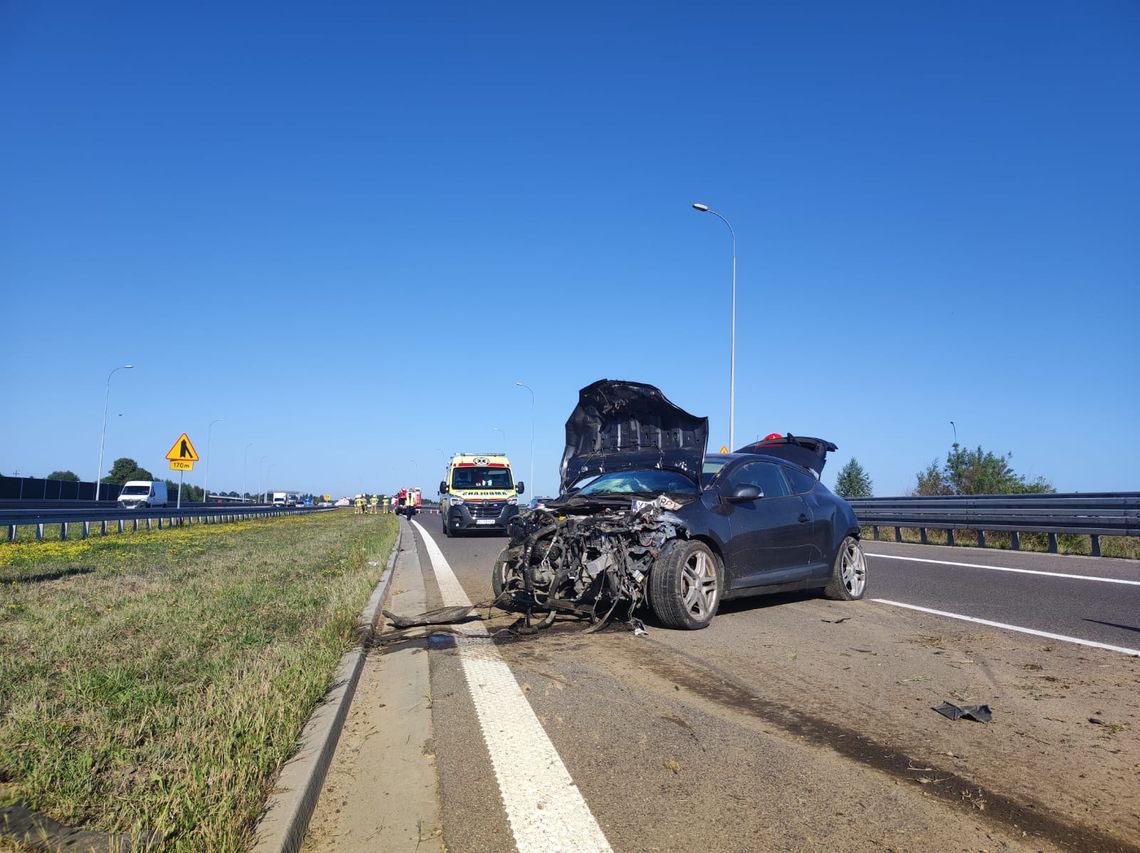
[(182, 451), (723, 449), (179, 465)]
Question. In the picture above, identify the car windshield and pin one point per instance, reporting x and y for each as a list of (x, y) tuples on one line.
[(481, 478), (711, 469), (135, 490), (640, 482)]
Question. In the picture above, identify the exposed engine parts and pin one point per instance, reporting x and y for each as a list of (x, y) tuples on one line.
[(592, 565)]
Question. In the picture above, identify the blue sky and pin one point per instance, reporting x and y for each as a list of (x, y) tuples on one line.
[(348, 229)]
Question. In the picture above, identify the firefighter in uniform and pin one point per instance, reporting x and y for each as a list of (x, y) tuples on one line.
[(373, 503), (359, 504), (387, 500)]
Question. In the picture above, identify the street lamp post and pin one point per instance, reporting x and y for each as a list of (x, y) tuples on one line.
[(209, 436), (244, 465), (704, 208), (261, 470), (527, 387), (103, 433)]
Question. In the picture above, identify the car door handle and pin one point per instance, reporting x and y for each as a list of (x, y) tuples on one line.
[(804, 519)]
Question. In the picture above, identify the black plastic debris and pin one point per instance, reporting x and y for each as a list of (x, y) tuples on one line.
[(40, 832), (439, 616), (977, 713)]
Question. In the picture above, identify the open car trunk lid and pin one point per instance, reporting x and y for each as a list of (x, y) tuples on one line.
[(619, 425), (800, 450)]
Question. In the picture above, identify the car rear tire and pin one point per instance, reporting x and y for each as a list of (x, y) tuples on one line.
[(685, 585), (848, 573)]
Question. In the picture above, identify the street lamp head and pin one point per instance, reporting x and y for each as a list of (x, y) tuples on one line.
[(128, 366), (703, 208)]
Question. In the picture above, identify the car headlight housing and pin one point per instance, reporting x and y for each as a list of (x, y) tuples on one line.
[(454, 500)]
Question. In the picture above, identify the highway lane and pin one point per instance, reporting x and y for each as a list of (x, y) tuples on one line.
[(1096, 599), (781, 726)]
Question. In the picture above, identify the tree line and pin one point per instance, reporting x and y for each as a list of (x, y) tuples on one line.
[(964, 472)]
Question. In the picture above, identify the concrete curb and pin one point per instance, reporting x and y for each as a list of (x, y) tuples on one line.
[(282, 828)]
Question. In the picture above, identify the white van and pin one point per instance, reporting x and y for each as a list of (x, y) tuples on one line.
[(142, 494)]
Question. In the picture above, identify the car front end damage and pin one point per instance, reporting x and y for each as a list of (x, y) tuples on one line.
[(588, 560)]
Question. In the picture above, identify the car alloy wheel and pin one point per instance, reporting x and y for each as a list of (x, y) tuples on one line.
[(699, 586), (684, 585), (849, 572), (853, 568)]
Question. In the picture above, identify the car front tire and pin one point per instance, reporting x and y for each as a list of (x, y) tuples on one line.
[(498, 575), (848, 572), (685, 585)]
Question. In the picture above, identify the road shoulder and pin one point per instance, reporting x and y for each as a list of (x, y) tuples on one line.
[(381, 792)]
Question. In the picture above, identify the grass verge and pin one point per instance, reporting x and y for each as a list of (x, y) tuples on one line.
[(158, 680)]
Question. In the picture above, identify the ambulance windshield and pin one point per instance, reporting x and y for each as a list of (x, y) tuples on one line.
[(481, 478)]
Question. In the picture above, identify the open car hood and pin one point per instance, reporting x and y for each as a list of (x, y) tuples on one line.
[(800, 450), (620, 425)]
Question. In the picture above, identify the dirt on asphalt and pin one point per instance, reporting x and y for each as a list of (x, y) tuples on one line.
[(1060, 760)]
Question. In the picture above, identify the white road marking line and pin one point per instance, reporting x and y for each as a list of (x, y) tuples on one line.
[(545, 808), (1005, 569), (1061, 637)]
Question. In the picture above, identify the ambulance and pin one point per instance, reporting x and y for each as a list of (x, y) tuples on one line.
[(478, 492)]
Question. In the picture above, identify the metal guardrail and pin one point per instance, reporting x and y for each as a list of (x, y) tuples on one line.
[(85, 519), (1094, 515)]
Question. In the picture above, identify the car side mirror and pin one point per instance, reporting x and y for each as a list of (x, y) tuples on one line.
[(520, 487), (442, 487), (746, 493)]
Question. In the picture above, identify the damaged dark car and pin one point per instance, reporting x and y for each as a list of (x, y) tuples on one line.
[(644, 519)]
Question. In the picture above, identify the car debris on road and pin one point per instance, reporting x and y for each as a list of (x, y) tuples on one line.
[(439, 616), (977, 713)]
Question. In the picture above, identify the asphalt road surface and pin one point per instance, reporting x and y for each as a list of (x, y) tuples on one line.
[(1088, 598), (791, 723)]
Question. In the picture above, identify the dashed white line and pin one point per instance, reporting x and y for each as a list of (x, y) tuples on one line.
[(545, 808), (1048, 635), (1005, 569)]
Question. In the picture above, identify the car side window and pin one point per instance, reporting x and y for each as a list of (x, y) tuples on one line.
[(801, 480), (763, 474)]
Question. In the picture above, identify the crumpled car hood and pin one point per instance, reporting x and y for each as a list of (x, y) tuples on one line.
[(619, 425)]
